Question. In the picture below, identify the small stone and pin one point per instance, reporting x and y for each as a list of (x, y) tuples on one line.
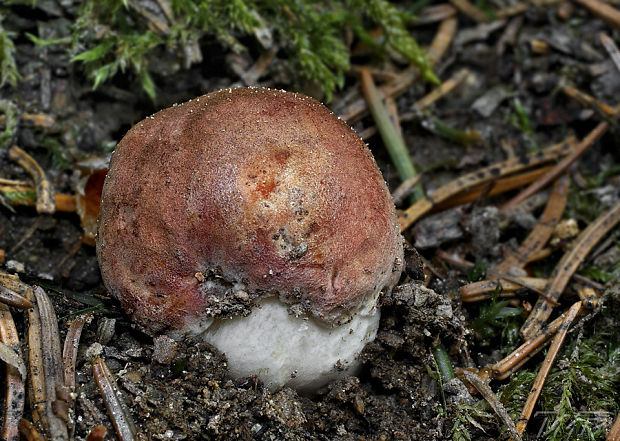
[(165, 349), (95, 350), (242, 295), (105, 330), (444, 310)]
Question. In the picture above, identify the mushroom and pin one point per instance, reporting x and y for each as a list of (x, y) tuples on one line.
[(258, 221)]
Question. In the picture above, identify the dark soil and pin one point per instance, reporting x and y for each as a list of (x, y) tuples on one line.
[(182, 391)]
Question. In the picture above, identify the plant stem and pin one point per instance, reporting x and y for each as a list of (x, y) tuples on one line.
[(393, 141)]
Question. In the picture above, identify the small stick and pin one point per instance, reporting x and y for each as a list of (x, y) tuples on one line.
[(52, 366), (44, 365), (405, 189), (27, 235), (589, 282), (611, 48), (27, 196), (437, 93), (509, 11), (499, 186), (567, 266), (37, 389), (491, 398), (479, 177), (434, 13), (470, 10), (456, 261), (471, 291), (27, 430), (443, 38), (509, 364), (40, 120), (605, 12), (558, 339), (14, 382), (588, 296), (543, 230), (595, 134), (45, 191), (441, 91), (588, 100), (13, 182), (69, 353), (11, 298), (114, 403), (12, 282)]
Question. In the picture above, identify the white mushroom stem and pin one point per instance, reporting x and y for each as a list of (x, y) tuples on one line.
[(285, 350)]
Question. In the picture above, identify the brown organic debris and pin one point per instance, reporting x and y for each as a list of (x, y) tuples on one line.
[(45, 190), (567, 266), (556, 344), (14, 378), (46, 386), (481, 176), (114, 402)]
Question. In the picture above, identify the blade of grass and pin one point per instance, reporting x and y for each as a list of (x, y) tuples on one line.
[(393, 141)]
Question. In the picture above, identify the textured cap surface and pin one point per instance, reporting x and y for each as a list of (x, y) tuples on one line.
[(239, 194)]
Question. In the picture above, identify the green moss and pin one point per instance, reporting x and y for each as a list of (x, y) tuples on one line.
[(581, 395), (8, 67), (112, 36), (21, 197), (470, 420), (9, 110)]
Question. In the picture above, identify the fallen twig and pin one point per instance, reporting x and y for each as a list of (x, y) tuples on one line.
[(605, 12), (476, 291), (27, 430), (405, 189), (567, 266), (10, 297), (588, 100), (443, 38), (15, 377), (558, 339), (114, 403), (611, 49), (45, 190), (437, 93), (69, 353), (470, 10), (481, 176), (434, 13), (543, 230), (486, 392), (498, 186), (46, 385), (517, 358), (595, 134), (27, 196)]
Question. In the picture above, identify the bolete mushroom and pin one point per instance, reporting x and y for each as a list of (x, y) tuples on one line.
[(257, 220)]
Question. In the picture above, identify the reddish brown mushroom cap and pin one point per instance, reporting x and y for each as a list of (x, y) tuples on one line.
[(239, 194)]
